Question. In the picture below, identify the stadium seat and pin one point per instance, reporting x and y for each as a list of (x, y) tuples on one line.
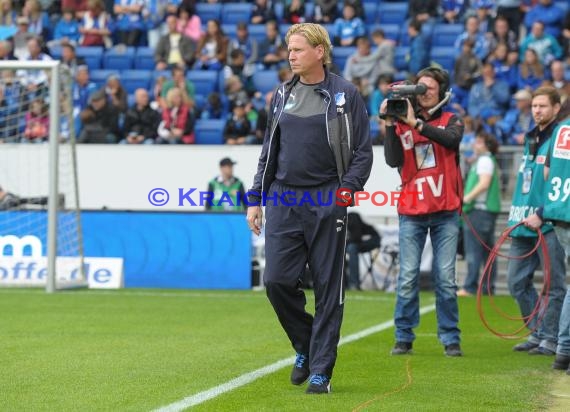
[(119, 58), (55, 52), (392, 13), (265, 80), (209, 11), (205, 81), (233, 13), (400, 58), (99, 77), (444, 35), (309, 10), (93, 56), (370, 13), (257, 32), (283, 28), (341, 54), (135, 79), (209, 131), (144, 58), (564, 5), (279, 11), (230, 30), (445, 56)]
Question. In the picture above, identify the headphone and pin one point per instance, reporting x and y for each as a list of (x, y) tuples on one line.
[(439, 75)]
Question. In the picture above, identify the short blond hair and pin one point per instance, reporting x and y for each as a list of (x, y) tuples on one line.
[(315, 35), (170, 96)]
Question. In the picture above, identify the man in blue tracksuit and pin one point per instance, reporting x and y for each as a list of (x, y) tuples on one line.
[(316, 153)]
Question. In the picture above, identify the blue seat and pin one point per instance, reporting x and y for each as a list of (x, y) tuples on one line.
[(93, 56), (55, 52), (279, 11), (563, 4), (119, 58), (265, 80), (444, 56), (209, 131), (392, 13), (444, 35), (400, 58), (257, 32), (370, 13), (341, 54), (135, 79), (230, 30), (99, 76), (233, 13), (144, 58), (283, 29), (205, 81), (209, 11)]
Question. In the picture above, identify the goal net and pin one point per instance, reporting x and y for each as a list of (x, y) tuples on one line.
[(40, 226)]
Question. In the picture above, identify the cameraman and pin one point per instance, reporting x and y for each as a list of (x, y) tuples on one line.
[(424, 146)]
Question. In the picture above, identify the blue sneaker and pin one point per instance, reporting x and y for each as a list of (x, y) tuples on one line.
[(319, 383), (300, 371)]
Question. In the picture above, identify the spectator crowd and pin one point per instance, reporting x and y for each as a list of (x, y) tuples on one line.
[(500, 51)]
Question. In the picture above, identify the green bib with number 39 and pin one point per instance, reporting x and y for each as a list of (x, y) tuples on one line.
[(557, 205), (529, 190)]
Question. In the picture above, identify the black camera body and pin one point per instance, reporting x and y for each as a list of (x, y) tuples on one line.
[(397, 106), (397, 103)]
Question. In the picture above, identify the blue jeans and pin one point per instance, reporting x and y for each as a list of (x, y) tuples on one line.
[(444, 230), (476, 254), (563, 348), (520, 275)]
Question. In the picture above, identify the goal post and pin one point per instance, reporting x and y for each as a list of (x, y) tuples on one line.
[(58, 229)]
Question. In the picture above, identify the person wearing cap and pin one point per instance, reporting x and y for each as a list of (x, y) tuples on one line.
[(317, 145), (226, 190), (238, 128), (21, 37), (100, 121), (512, 128)]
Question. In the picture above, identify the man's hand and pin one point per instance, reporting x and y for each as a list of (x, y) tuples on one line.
[(255, 219), (410, 118), (389, 119), (533, 222)]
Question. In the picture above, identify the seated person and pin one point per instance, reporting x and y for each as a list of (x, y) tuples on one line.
[(362, 238), (238, 128)]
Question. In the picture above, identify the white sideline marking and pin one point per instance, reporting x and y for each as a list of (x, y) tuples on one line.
[(176, 294), (249, 377)]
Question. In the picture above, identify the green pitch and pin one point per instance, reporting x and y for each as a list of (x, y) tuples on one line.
[(138, 350)]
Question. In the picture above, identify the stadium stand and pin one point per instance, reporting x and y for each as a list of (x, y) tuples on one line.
[(119, 58), (341, 54), (446, 34), (209, 11), (392, 13), (144, 58), (93, 56), (205, 81), (233, 13), (135, 79), (265, 80)]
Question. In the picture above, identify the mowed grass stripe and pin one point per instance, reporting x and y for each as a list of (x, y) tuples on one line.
[(243, 380)]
